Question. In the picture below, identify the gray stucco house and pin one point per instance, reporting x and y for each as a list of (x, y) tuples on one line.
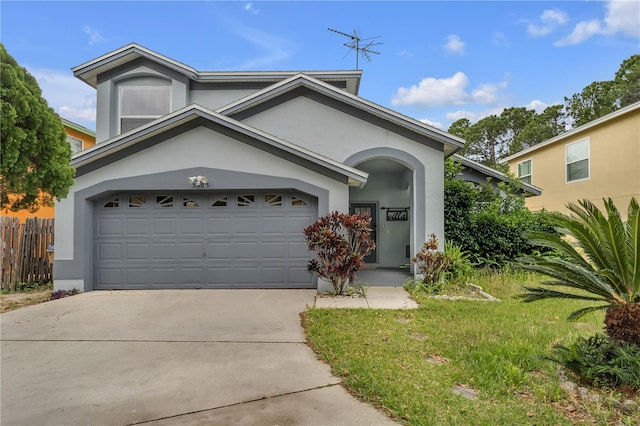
[(207, 179)]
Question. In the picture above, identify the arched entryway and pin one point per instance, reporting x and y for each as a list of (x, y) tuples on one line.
[(394, 194)]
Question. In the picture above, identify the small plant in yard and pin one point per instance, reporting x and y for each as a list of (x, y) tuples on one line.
[(599, 257), (433, 265), (340, 241), (601, 361), (59, 294)]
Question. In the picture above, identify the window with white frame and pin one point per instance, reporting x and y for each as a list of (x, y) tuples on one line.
[(142, 104), (577, 160), (524, 171), (76, 144)]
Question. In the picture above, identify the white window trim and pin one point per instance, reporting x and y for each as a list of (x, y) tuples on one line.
[(120, 96), (530, 159), (566, 173), (76, 140)]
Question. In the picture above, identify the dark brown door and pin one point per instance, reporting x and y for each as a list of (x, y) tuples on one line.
[(369, 209)]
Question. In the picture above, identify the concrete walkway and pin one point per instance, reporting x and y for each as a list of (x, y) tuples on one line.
[(376, 298), (170, 357)]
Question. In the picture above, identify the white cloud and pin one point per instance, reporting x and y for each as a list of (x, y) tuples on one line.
[(620, 17), (68, 96), (251, 9), (582, 31), (623, 17), (454, 44), (405, 53), (446, 91), (94, 36), (550, 20), (431, 123), (473, 116), (537, 105)]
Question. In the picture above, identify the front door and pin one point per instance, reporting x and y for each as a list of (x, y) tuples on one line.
[(370, 210)]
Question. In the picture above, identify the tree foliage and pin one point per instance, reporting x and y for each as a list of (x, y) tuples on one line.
[(515, 129), (488, 223), (35, 153)]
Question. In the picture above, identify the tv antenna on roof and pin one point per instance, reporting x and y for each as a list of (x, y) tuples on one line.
[(354, 44)]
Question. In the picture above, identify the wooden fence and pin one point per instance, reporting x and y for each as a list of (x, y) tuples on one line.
[(24, 256)]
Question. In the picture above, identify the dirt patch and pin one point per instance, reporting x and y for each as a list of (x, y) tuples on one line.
[(17, 300)]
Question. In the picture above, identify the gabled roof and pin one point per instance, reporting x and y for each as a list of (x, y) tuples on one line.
[(451, 142), (193, 116), (78, 127), (89, 71), (495, 174), (572, 132)]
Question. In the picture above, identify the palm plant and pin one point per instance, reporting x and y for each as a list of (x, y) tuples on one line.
[(599, 256)]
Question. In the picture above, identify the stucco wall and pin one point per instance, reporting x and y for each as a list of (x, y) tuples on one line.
[(614, 167), (191, 151), (214, 99), (329, 131)]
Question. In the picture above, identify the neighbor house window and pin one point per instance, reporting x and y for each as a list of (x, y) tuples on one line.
[(577, 160), (76, 144), (524, 171), (142, 104)]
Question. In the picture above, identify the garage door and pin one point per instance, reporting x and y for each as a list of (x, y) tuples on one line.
[(248, 239)]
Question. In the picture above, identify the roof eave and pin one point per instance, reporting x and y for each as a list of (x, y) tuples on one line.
[(572, 132), (353, 176)]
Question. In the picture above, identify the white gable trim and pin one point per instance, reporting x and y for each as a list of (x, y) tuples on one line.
[(355, 177)]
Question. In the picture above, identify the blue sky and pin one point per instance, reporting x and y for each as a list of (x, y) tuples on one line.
[(439, 61)]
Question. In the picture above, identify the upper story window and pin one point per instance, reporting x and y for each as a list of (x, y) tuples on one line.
[(577, 160), (142, 104), (524, 171), (76, 144)]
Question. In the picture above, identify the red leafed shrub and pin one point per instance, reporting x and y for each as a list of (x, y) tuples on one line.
[(433, 263), (341, 241)]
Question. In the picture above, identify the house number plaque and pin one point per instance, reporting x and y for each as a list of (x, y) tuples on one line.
[(397, 214)]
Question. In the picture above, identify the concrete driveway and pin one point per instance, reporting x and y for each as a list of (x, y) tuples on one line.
[(169, 357)]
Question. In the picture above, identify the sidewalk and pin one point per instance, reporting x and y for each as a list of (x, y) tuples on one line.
[(376, 298)]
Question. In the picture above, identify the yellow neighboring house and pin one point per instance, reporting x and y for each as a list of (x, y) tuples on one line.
[(600, 159), (79, 138)]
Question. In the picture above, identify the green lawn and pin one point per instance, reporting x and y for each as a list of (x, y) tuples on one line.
[(407, 362)]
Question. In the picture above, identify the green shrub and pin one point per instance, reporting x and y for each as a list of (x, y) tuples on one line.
[(601, 362), (461, 267), (487, 222)]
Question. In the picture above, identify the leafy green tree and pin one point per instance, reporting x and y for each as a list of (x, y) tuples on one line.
[(627, 81), (541, 127), (598, 259), (594, 101), (35, 153)]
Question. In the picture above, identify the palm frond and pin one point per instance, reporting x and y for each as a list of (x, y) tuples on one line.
[(582, 312), (539, 293), (557, 243), (570, 275), (615, 238), (633, 246)]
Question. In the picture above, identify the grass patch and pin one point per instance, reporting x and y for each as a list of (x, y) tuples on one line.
[(25, 296), (408, 362)]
